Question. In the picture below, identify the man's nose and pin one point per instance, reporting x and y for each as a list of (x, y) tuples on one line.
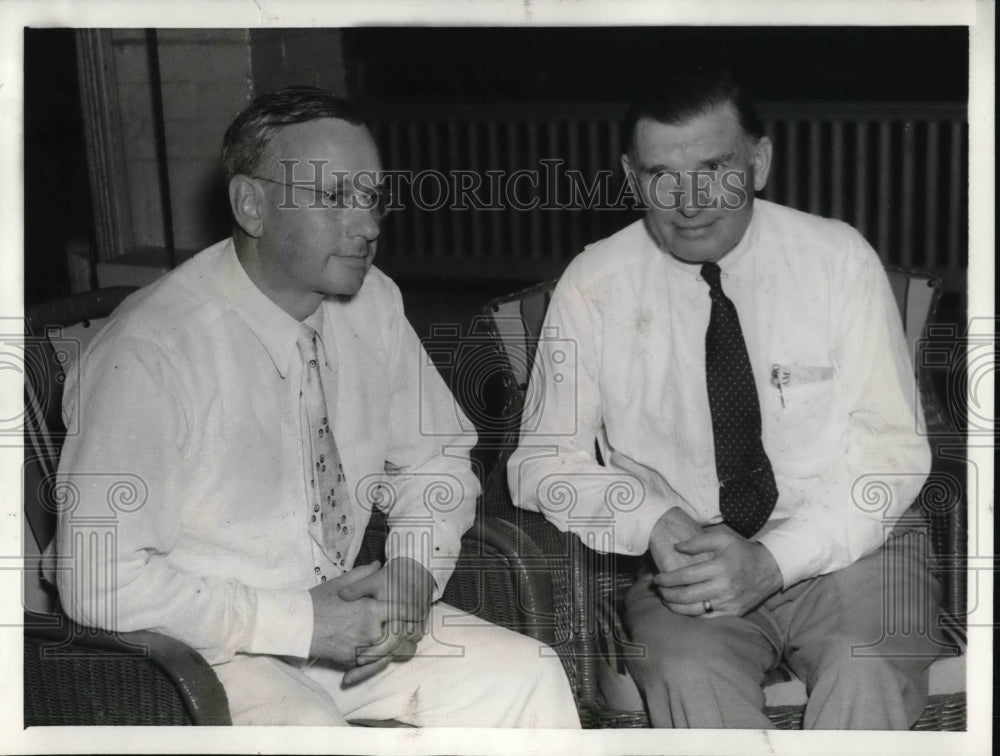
[(690, 203), (365, 221)]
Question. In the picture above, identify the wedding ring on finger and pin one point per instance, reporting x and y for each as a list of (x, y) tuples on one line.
[(707, 606)]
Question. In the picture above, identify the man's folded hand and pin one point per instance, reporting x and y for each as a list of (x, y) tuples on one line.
[(733, 574), (345, 627), (673, 527), (405, 588)]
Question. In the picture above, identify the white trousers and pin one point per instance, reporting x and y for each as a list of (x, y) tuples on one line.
[(466, 673)]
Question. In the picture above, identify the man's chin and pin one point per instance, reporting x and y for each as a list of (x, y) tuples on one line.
[(346, 289), (694, 254), (345, 277)]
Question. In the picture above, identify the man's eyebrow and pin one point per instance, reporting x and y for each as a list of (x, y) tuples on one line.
[(723, 158), (657, 167)]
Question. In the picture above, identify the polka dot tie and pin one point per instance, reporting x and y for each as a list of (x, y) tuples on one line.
[(747, 491), (330, 520)]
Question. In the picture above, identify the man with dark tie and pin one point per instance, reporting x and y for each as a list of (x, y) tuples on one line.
[(744, 366)]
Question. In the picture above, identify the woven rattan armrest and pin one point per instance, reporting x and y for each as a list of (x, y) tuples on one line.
[(62, 640)]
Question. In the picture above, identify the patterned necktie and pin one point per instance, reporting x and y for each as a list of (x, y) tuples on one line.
[(747, 491), (330, 520)]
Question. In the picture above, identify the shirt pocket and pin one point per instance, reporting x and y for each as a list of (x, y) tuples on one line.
[(800, 414)]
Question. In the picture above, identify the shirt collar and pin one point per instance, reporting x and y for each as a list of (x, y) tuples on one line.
[(276, 329), (737, 253)]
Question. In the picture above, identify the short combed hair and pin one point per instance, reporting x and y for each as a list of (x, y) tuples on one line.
[(689, 94), (248, 136)]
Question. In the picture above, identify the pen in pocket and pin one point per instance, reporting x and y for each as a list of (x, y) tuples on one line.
[(776, 382)]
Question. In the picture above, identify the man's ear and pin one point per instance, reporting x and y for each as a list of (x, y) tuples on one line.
[(761, 163), (630, 173), (246, 202)]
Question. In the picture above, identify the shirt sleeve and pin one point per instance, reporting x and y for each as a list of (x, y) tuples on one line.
[(129, 421), (430, 492), (888, 456), (555, 469)]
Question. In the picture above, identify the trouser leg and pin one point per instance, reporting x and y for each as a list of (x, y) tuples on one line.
[(863, 637), (698, 671), (466, 673), (264, 690)]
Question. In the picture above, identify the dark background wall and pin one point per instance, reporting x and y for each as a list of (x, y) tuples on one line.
[(470, 66), (57, 205), (603, 64)]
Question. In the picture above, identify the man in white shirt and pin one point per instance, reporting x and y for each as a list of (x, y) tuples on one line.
[(743, 370), (232, 428)]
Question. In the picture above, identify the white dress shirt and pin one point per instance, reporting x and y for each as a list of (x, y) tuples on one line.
[(622, 360), (184, 474)]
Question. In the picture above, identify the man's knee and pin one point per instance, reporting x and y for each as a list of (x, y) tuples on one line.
[(300, 708), (848, 661), (684, 651), (305, 714), (869, 692), (545, 668), (521, 657), (263, 690), (678, 654), (677, 665), (856, 670), (520, 681)]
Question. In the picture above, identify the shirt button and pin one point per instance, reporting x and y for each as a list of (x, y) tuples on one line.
[(315, 507), (322, 578), (316, 570), (313, 518), (312, 363)]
